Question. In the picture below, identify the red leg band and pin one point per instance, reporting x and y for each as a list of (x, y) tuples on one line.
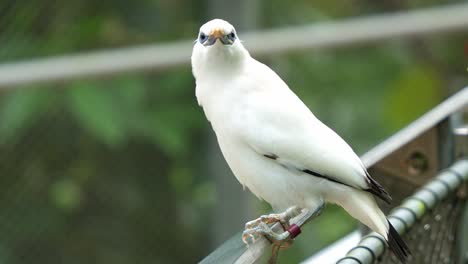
[(294, 230)]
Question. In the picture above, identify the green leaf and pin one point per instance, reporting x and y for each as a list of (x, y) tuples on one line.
[(66, 194), (98, 113), (162, 128), (19, 109), (181, 180), (170, 127), (132, 91), (416, 91)]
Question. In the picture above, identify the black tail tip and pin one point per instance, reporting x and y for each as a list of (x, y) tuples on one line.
[(397, 245)]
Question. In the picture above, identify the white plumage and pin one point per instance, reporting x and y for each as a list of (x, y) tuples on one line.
[(272, 142)]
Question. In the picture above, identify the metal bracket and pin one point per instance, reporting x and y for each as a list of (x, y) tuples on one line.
[(415, 162)]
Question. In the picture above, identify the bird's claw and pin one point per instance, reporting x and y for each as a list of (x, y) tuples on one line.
[(282, 218), (260, 226), (252, 233), (262, 229), (266, 219)]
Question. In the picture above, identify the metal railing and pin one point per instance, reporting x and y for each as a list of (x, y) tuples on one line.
[(372, 246), (449, 111)]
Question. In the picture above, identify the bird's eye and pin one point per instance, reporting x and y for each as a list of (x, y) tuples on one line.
[(232, 36), (203, 37)]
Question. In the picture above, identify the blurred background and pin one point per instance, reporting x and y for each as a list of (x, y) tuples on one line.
[(125, 168)]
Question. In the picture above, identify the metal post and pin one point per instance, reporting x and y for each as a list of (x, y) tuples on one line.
[(460, 134)]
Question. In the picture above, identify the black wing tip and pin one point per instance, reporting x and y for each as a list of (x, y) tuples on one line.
[(384, 196), (376, 189), (397, 245)]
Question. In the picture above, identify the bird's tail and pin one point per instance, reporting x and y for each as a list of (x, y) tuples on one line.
[(396, 244), (362, 206)]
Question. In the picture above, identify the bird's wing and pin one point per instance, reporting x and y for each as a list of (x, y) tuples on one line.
[(314, 149), (282, 128)]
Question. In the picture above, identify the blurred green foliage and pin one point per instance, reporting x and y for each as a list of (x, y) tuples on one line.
[(111, 170)]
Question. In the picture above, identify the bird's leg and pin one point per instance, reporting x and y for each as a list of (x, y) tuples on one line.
[(280, 244), (260, 226), (282, 218), (310, 214)]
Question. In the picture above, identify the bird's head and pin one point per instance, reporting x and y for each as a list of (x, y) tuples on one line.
[(217, 45), (217, 31)]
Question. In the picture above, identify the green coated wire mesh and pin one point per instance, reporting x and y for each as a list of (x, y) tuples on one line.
[(432, 238)]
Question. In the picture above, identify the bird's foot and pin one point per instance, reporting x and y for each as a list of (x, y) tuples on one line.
[(262, 229), (261, 226), (282, 218)]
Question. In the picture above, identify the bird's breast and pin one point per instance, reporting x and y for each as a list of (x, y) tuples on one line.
[(226, 110)]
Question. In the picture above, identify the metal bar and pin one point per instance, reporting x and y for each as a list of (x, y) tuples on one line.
[(235, 251), (334, 252), (416, 205), (454, 103), (165, 56)]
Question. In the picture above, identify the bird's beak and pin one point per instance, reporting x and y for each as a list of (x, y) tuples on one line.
[(216, 34)]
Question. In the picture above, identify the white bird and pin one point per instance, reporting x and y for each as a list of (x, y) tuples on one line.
[(273, 143)]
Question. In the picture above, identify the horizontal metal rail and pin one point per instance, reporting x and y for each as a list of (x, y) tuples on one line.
[(336, 250), (406, 215), (165, 56), (456, 102)]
